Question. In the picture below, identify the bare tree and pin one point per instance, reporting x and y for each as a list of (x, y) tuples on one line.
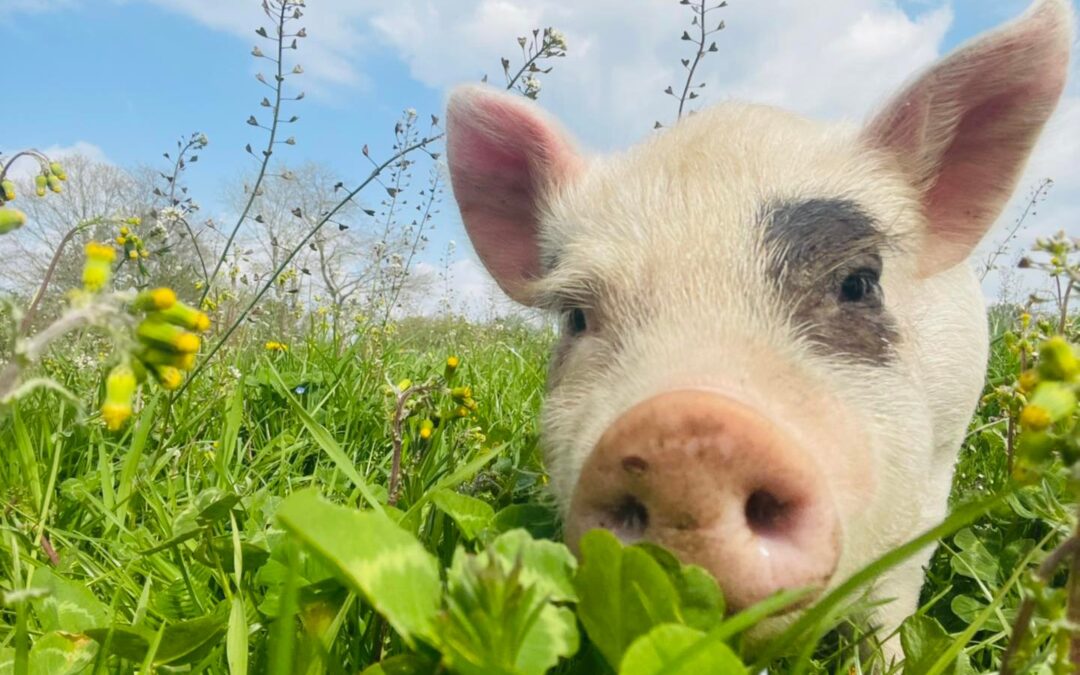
[(332, 268)]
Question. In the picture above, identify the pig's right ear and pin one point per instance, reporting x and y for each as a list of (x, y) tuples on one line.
[(964, 130), (506, 158)]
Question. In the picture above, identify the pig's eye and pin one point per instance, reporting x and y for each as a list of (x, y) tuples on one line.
[(576, 321), (860, 286)]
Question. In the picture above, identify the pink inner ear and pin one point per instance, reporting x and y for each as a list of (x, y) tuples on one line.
[(964, 131), (504, 158), (980, 170)]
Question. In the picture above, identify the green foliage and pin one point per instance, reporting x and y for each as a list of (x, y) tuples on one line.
[(196, 537)]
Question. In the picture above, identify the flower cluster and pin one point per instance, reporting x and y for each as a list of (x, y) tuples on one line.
[(455, 402), (166, 342), (1050, 420), (551, 44), (133, 245), (97, 269), (51, 176)]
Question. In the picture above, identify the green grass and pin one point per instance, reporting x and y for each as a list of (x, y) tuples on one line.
[(161, 548)]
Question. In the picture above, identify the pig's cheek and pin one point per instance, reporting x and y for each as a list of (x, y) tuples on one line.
[(581, 400), (569, 428)]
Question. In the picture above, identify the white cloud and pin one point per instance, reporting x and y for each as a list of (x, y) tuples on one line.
[(831, 59), (332, 56), (837, 59)]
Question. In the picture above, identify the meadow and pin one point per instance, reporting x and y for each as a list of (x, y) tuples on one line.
[(193, 541), (231, 464)]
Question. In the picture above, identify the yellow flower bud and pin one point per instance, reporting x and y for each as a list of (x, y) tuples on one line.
[(134, 221), (102, 252), (1029, 379), (1035, 418), (40, 182), (98, 267), (180, 314), (404, 384), (119, 391), (1058, 360), (461, 393), (159, 357), (95, 276), (155, 299), (124, 232), (9, 189), (58, 171), (133, 254), (11, 219), (54, 184), (169, 377), (452, 363), (427, 427), (163, 335)]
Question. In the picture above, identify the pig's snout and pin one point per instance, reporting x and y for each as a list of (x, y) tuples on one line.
[(720, 485)]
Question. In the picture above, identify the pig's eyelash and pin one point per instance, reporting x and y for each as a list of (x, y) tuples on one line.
[(565, 300), (558, 295)]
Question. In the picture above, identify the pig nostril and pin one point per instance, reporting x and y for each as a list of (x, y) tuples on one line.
[(765, 513), (631, 519), (635, 465)]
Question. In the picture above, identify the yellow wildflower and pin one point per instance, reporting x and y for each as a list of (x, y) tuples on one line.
[(11, 219), (170, 378), (98, 267), (119, 391), (187, 316), (102, 252), (158, 333), (427, 427), (1035, 418), (158, 357)]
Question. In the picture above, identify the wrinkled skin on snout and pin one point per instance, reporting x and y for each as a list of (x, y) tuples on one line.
[(771, 341)]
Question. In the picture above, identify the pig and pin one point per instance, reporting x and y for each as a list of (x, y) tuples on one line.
[(771, 342)]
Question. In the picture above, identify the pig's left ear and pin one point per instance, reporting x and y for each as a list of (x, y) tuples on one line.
[(506, 159), (964, 130)]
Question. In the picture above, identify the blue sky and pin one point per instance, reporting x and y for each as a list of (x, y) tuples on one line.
[(130, 76)]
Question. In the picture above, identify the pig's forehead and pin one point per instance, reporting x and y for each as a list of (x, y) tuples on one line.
[(715, 182)]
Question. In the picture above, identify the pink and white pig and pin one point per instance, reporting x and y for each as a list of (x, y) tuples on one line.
[(771, 342)]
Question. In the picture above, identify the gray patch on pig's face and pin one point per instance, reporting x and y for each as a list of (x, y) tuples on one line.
[(820, 250)]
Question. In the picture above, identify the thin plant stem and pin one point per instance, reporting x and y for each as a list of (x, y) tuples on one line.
[(697, 59), (279, 86), (1070, 547), (296, 249), (31, 311)]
